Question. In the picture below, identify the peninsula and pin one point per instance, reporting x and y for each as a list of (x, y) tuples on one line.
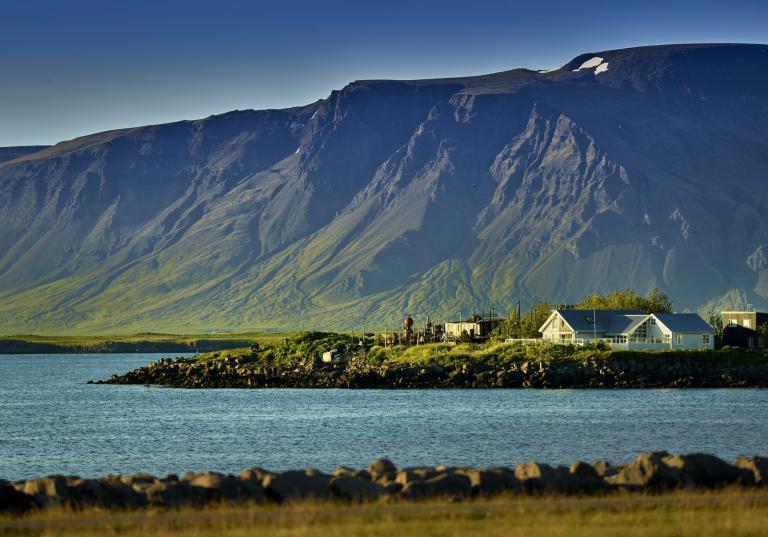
[(297, 362)]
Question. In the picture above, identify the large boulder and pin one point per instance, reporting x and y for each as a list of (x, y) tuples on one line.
[(649, 471), (171, 494), (107, 492), (139, 482), (254, 473), (702, 470), (356, 489), (583, 469), (382, 466), (385, 478), (449, 485), (297, 485), (604, 468), (404, 477), (252, 480), (538, 477), (49, 490), (758, 466), (342, 470), (13, 501), (219, 487), (491, 481)]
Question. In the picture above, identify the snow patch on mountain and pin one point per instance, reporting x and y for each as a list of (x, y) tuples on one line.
[(602, 68), (589, 64)]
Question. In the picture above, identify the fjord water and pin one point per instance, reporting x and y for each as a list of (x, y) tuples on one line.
[(51, 421)]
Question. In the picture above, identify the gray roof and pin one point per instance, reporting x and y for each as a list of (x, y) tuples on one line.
[(581, 320), (625, 324), (687, 323)]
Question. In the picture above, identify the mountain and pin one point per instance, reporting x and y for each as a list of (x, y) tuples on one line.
[(11, 153), (632, 168)]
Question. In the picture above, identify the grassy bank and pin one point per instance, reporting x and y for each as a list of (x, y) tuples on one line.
[(145, 342), (307, 345), (699, 515)]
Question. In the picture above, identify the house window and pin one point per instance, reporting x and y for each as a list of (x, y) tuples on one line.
[(748, 323), (705, 339), (667, 338), (641, 333), (653, 321), (678, 339)]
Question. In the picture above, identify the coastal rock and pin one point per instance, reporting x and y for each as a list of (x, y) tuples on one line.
[(604, 468), (171, 494), (46, 491), (649, 471), (758, 466), (654, 372), (449, 484), (583, 469), (356, 489), (297, 485), (702, 470), (252, 480), (490, 481), (537, 477), (342, 470), (13, 501), (382, 466), (220, 487), (107, 492)]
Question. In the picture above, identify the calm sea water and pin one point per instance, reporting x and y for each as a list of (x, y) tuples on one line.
[(51, 421)]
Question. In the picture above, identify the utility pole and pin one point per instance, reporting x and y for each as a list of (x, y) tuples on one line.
[(594, 327), (418, 318)]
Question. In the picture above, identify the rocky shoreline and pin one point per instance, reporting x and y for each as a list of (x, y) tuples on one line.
[(382, 481), (651, 372)]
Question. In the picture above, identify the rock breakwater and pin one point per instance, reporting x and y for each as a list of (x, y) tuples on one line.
[(382, 481), (647, 372)]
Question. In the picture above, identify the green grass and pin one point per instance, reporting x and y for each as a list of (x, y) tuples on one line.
[(296, 348), (679, 514), (143, 342)]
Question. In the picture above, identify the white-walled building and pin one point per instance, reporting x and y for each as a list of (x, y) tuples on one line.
[(629, 329)]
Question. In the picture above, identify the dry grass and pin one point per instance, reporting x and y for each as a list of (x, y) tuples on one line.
[(699, 515)]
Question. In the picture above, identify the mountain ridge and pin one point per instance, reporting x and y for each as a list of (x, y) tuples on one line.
[(395, 197)]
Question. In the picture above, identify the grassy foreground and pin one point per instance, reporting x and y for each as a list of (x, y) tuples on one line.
[(700, 515)]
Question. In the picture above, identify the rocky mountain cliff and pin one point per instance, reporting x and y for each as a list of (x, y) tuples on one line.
[(629, 168)]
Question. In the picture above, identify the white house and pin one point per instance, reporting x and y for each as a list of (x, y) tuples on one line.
[(629, 329)]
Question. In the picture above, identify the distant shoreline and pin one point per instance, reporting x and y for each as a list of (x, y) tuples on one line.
[(130, 344)]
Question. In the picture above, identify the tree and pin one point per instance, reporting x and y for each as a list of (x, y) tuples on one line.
[(659, 302), (762, 331), (715, 320), (509, 327), (626, 299), (532, 321)]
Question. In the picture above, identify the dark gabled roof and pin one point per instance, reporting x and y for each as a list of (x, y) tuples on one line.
[(581, 320), (686, 323), (624, 324)]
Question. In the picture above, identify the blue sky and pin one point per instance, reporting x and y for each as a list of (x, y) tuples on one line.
[(81, 66)]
